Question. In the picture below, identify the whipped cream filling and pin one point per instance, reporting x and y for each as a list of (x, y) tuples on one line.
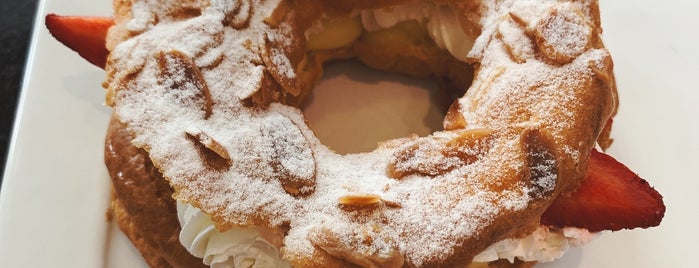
[(442, 23), (237, 247), (250, 247), (543, 245)]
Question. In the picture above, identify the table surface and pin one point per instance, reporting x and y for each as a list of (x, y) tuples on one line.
[(16, 17)]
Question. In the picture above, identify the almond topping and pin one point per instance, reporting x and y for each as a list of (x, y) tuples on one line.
[(222, 160), (454, 119), (518, 44), (238, 15), (562, 35), (469, 144), (179, 72), (359, 200), (280, 66), (542, 163), (291, 156)]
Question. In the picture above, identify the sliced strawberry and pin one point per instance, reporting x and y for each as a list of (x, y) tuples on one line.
[(85, 35), (611, 197)]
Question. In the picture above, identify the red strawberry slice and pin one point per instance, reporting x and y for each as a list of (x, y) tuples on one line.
[(611, 197), (85, 35)]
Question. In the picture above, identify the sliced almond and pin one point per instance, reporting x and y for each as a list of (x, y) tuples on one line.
[(562, 34), (391, 204), (541, 161), (238, 13), (359, 200), (269, 92), (470, 137), (277, 57), (603, 69), (469, 144), (179, 72), (291, 156), (423, 156), (276, 17), (214, 154), (518, 44), (454, 119)]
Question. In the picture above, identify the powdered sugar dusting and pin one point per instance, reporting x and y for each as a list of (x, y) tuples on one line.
[(423, 216), (533, 91)]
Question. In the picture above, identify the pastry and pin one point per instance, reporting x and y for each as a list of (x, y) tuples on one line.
[(210, 89)]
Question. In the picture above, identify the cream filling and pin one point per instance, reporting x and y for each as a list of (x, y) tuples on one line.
[(250, 247), (237, 247), (543, 245), (441, 22)]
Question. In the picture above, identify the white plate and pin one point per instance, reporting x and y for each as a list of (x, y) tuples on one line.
[(56, 189)]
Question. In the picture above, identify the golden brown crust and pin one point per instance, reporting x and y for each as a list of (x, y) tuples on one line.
[(150, 222), (142, 203)]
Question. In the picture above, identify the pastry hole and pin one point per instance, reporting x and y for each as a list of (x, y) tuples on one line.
[(354, 107)]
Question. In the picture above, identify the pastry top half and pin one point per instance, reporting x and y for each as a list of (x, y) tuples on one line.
[(207, 87)]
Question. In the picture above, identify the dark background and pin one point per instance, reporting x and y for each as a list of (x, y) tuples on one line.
[(16, 23)]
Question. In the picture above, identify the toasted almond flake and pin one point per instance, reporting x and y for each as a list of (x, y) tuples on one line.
[(210, 144), (359, 199), (179, 71), (563, 34), (454, 119), (238, 13)]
